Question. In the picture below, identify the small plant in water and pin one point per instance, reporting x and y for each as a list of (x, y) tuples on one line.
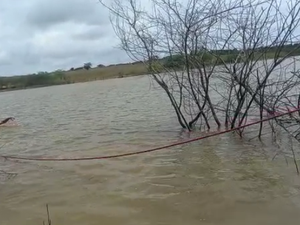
[(48, 217)]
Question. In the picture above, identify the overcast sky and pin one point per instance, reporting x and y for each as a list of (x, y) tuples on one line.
[(45, 35)]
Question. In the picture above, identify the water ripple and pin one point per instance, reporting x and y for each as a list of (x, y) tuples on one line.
[(208, 182)]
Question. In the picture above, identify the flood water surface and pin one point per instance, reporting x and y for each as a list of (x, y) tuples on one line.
[(220, 180)]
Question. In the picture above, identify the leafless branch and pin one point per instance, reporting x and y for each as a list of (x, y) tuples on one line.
[(217, 61)]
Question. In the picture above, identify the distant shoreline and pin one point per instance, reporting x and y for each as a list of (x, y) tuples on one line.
[(101, 72), (87, 81), (83, 76)]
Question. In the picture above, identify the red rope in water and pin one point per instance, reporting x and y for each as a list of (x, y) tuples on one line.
[(149, 150)]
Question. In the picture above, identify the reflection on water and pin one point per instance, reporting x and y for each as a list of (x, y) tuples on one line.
[(221, 180)]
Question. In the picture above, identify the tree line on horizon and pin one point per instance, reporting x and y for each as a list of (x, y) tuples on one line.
[(175, 61)]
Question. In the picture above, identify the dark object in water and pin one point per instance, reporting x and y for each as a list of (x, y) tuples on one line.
[(6, 120)]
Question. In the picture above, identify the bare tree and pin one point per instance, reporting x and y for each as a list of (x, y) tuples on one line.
[(218, 61)]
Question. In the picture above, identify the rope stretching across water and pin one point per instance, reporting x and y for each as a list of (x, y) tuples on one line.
[(152, 149)]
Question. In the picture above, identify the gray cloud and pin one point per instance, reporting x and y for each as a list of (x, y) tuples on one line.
[(44, 35), (89, 33), (46, 13)]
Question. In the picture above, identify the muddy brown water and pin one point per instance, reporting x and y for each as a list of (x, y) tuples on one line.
[(217, 181)]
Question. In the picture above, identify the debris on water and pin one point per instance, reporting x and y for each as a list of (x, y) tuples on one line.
[(5, 176)]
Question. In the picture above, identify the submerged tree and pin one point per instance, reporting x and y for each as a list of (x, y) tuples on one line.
[(217, 61)]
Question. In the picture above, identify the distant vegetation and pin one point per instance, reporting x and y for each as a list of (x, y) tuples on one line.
[(73, 75), (99, 72), (227, 56)]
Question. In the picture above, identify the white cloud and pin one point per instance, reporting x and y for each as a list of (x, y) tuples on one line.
[(44, 35)]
